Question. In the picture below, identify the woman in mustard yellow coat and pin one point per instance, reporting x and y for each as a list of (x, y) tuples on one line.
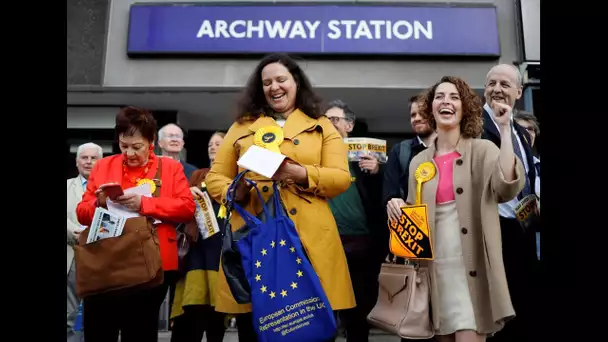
[(278, 94)]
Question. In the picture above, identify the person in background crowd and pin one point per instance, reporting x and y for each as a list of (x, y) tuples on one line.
[(395, 186), (134, 314), (214, 144), (171, 143), (469, 291), (86, 156), (279, 94), (503, 86), (528, 121), (362, 226), (193, 311), (396, 174)]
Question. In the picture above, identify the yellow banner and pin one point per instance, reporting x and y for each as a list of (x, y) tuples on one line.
[(410, 236)]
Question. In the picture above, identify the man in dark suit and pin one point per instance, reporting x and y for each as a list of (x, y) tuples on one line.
[(502, 88)]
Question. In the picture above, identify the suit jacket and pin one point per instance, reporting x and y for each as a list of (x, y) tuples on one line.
[(188, 169), (75, 192), (478, 186), (174, 205), (490, 132), (370, 191)]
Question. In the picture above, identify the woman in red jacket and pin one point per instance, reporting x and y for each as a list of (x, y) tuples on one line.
[(135, 315)]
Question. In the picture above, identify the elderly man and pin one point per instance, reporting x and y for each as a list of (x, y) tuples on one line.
[(504, 85), (86, 156), (171, 142)]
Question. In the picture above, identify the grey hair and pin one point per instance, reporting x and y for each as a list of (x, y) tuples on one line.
[(518, 77), (161, 131), (348, 112), (528, 116), (89, 145)]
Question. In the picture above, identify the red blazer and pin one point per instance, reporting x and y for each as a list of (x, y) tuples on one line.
[(174, 205)]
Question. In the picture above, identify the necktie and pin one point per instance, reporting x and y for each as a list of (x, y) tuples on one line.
[(84, 185), (526, 191)]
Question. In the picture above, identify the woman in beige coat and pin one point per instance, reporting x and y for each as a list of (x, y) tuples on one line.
[(469, 294)]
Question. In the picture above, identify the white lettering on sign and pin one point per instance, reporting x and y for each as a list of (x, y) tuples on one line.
[(261, 28), (305, 29), (378, 29)]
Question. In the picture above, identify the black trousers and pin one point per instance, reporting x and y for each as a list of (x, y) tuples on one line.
[(197, 320), (522, 269), (364, 270), (132, 314)]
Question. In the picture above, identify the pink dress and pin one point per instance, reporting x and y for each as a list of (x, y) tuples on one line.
[(455, 306)]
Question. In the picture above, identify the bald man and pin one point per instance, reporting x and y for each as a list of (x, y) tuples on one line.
[(504, 85)]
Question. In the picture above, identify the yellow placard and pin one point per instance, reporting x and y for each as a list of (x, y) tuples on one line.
[(525, 208), (411, 236)]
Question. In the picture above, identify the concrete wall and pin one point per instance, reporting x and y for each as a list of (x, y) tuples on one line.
[(121, 71), (86, 35)]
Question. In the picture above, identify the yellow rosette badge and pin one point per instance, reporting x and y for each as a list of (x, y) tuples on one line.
[(424, 173), (147, 181), (269, 138), (410, 234)]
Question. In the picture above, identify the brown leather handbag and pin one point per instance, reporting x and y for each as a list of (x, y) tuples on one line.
[(403, 306), (130, 261)]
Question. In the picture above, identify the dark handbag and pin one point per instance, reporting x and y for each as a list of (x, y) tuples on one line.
[(232, 263), (127, 262)]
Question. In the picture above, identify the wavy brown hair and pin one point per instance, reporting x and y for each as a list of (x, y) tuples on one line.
[(471, 123), (253, 103)]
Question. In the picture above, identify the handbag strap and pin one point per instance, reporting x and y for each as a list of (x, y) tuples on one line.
[(157, 180)]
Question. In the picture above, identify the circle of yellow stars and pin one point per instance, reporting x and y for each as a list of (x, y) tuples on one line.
[(258, 264)]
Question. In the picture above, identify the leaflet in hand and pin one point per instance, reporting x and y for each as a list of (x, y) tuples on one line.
[(261, 160), (358, 147), (105, 225)]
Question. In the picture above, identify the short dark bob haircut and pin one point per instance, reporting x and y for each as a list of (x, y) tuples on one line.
[(132, 120)]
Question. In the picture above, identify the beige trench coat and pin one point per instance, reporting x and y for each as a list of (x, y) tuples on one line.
[(315, 144), (479, 186)]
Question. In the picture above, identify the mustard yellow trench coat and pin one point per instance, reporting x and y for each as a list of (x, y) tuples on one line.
[(316, 145)]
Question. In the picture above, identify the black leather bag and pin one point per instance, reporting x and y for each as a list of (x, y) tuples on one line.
[(232, 264)]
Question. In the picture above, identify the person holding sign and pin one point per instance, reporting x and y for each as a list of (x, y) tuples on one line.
[(279, 112), (518, 222), (455, 186), (193, 312)]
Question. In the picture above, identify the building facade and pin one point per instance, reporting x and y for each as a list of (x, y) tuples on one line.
[(188, 61)]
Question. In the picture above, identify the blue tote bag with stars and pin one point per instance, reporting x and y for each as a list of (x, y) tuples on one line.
[(288, 301)]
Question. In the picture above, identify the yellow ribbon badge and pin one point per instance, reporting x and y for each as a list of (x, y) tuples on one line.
[(424, 173), (269, 137), (147, 181)]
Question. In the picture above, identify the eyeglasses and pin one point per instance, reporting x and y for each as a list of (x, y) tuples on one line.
[(174, 136)]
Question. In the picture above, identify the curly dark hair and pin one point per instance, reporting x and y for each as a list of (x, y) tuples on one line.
[(131, 120), (471, 124), (253, 102)]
